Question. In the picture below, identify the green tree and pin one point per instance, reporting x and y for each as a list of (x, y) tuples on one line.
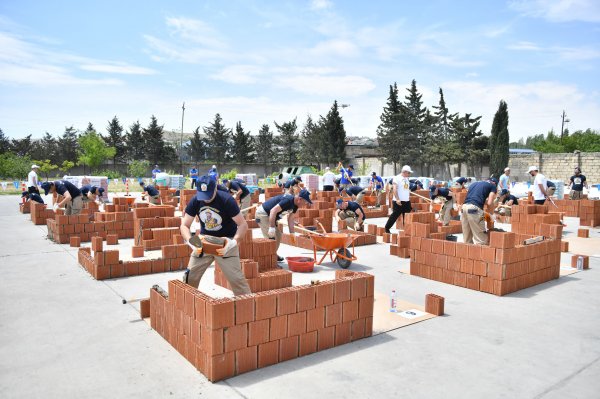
[(68, 145), (265, 155), (13, 166), (66, 166), (46, 167), (243, 146), (443, 146), (288, 140), (138, 168), (413, 132), (94, 150), (134, 141), (499, 139), (478, 156), (196, 149), (465, 129), (4, 143), (22, 147), (116, 140), (218, 141), (389, 131), (154, 144), (335, 136), (311, 143)]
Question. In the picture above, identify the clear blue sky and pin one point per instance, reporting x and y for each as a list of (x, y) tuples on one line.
[(66, 63)]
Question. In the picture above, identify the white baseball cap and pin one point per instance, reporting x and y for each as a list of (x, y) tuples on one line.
[(532, 168), (34, 166), (327, 168), (406, 168), (506, 169)]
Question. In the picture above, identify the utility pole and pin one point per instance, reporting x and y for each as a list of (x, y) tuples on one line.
[(181, 144), (562, 126)]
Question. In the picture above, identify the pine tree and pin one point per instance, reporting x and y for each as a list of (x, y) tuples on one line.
[(265, 155), (444, 149), (414, 131), (21, 147), (68, 145), (499, 140), (115, 139), (335, 134), (197, 149), (154, 143), (4, 143), (389, 130), (90, 128), (218, 141), (466, 131), (134, 141), (311, 140), (243, 146), (289, 141)]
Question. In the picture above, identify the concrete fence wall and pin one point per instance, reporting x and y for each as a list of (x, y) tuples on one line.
[(556, 166)]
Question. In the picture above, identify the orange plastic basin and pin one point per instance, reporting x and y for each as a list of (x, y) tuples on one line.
[(301, 264)]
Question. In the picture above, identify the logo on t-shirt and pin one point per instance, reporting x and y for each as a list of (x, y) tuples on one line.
[(577, 180), (211, 219)]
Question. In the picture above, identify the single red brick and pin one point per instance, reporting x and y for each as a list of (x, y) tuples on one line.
[(308, 343), (341, 291), (288, 348), (236, 337), (278, 328), (296, 324), (265, 305), (350, 311), (211, 341), (333, 314), (220, 313), (258, 332), (112, 239), (315, 318), (365, 307), (131, 268), (97, 244), (220, 367), (306, 298), (244, 309), (268, 353), (117, 270), (324, 294), (111, 257), (358, 287), (286, 302), (137, 251), (325, 338), (75, 241), (343, 333), (246, 359), (358, 329)]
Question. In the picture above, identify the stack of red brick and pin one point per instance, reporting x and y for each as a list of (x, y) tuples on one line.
[(25, 207), (61, 228), (535, 220), (231, 336), (589, 213), (155, 238), (265, 281), (500, 268), (39, 213)]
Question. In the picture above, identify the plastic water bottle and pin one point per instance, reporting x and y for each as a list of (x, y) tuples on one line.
[(393, 301), (580, 263)]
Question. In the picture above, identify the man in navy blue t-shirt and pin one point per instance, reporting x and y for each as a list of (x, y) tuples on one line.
[(576, 184), (505, 201), (448, 202), (240, 192), (72, 200), (35, 197), (291, 186), (274, 209), (356, 192), (219, 216), (473, 216), (352, 213), (153, 193)]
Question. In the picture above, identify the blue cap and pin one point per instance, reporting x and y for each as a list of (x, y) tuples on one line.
[(494, 180), (504, 191), (351, 166), (339, 202), (225, 181), (305, 194), (461, 180), (206, 187), (25, 194), (46, 187), (100, 191)]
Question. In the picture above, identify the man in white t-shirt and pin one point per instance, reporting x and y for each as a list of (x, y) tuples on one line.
[(328, 179), (539, 185), (401, 200), (32, 180)]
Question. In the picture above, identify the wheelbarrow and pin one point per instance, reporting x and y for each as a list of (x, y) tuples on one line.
[(334, 244)]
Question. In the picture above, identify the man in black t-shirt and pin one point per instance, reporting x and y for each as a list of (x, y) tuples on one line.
[(448, 202), (72, 198), (219, 216), (153, 193), (35, 197), (240, 193), (576, 184), (472, 214), (352, 213), (505, 201), (274, 209), (356, 192)]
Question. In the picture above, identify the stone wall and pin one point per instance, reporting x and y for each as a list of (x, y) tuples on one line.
[(556, 166)]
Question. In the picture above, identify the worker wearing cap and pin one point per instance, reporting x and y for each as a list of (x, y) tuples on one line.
[(153, 193), (551, 188), (505, 201), (473, 215), (539, 185), (274, 209), (72, 199), (92, 193), (415, 184), (155, 171), (504, 183), (376, 186), (328, 180), (240, 193), (219, 216), (292, 186), (576, 184), (352, 213), (212, 173), (35, 197), (346, 179), (448, 199), (32, 180), (401, 197), (356, 192), (193, 176), (460, 182)]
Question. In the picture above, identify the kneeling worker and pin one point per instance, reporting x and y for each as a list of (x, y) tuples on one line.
[(448, 198), (472, 214), (219, 216), (153, 193), (72, 198), (505, 201), (352, 213), (274, 208)]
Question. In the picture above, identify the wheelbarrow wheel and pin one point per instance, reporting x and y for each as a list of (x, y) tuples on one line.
[(344, 263)]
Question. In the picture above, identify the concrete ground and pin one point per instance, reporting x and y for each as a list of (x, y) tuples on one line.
[(64, 334)]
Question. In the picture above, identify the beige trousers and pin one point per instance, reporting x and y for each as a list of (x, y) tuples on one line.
[(445, 212), (245, 203), (154, 200), (73, 207), (575, 195), (230, 266), (263, 223), (473, 225)]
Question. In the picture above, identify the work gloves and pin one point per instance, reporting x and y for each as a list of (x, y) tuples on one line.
[(231, 244), (271, 232)]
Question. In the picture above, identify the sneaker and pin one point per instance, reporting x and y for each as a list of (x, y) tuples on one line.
[(279, 258)]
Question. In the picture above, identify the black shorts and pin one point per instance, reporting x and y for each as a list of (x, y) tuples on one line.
[(327, 188), (540, 202)]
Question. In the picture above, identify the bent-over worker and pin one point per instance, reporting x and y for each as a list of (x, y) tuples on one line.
[(356, 192), (472, 213), (240, 193), (505, 201), (72, 199), (352, 213), (448, 202), (35, 197), (153, 193)]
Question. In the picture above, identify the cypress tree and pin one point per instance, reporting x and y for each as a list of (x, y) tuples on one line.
[(243, 146), (218, 141), (335, 134), (134, 142), (499, 141), (389, 130)]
